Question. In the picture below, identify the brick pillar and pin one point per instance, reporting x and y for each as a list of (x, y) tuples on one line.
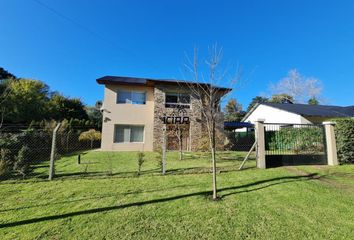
[(259, 127), (332, 158)]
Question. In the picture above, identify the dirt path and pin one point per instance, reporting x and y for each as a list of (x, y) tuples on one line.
[(323, 179)]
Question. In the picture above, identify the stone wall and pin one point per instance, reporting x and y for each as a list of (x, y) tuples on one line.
[(197, 128)]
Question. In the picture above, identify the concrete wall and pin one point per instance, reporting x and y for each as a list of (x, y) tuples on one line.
[(130, 114)]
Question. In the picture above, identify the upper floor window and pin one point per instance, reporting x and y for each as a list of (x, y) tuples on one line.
[(132, 97), (173, 100)]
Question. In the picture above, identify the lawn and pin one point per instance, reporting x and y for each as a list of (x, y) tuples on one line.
[(103, 198)]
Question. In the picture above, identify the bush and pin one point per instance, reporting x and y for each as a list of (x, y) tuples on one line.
[(344, 131), (301, 139), (22, 162), (141, 160), (91, 136), (5, 162)]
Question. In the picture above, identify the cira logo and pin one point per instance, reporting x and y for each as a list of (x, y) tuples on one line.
[(178, 116)]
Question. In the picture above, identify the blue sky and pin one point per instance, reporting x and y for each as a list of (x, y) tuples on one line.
[(74, 42)]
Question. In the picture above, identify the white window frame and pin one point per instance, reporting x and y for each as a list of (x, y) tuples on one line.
[(127, 125), (131, 98)]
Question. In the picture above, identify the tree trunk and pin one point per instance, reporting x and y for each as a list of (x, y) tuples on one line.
[(180, 144), (213, 158)]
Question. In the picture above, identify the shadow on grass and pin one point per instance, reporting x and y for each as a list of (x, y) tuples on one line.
[(283, 180), (98, 197), (93, 175)]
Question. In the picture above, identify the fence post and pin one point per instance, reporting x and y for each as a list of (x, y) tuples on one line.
[(164, 149), (332, 158), (259, 127), (52, 153)]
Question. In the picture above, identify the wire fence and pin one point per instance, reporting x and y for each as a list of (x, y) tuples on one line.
[(25, 153)]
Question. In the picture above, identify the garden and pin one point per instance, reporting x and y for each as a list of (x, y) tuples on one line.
[(106, 196)]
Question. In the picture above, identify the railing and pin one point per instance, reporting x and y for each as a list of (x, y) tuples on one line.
[(294, 139)]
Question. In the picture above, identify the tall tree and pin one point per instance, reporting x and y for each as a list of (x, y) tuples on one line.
[(313, 101), (297, 86), (26, 101), (66, 108), (5, 74), (281, 98), (95, 116), (5, 90), (255, 100), (233, 111)]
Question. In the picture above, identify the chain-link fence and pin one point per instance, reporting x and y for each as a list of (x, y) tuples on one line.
[(26, 149), (25, 153)]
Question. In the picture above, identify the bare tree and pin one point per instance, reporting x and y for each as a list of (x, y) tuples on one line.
[(297, 86), (208, 96)]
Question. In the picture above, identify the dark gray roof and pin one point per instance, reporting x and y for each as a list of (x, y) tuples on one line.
[(148, 81), (314, 110)]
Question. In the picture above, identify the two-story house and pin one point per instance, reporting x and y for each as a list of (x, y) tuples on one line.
[(137, 110)]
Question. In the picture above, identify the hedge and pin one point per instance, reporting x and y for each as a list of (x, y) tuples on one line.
[(344, 131), (295, 140)]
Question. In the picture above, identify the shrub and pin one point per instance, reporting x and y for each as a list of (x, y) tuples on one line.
[(90, 135), (141, 160), (204, 143), (5, 162), (23, 159), (301, 139), (344, 131)]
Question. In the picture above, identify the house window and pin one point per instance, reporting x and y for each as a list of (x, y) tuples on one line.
[(131, 97), (128, 134), (173, 100)]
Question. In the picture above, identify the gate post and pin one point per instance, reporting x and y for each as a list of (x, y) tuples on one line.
[(52, 153), (260, 139), (332, 158)]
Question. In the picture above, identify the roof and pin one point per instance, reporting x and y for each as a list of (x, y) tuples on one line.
[(149, 82), (234, 125), (307, 110)]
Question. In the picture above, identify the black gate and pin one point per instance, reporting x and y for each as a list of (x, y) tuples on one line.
[(294, 144)]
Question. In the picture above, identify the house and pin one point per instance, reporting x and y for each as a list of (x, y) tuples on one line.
[(137, 111), (296, 113)]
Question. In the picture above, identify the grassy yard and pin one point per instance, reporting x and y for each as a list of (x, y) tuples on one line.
[(103, 198)]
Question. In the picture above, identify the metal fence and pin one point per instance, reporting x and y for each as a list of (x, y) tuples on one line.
[(26, 153), (293, 144), (23, 149)]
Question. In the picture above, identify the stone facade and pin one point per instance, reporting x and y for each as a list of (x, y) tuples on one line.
[(197, 129)]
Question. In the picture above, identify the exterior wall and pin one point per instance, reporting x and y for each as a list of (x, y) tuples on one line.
[(149, 115), (193, 112), (130, 114), (274, 115)]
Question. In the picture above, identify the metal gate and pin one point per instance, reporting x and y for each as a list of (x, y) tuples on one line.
[(294, 144)]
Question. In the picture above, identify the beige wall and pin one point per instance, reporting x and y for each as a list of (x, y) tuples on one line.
[(130, 114)]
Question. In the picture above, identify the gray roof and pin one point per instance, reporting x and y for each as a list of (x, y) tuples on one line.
[(314, 110), (149, 81)]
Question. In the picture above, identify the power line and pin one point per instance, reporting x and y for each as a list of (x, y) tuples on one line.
[(83, 27)]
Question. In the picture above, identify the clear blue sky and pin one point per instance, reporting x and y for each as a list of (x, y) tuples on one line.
[(76, 41)]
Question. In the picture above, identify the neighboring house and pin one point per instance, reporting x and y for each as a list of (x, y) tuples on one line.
[(296, 113), (134, 111)]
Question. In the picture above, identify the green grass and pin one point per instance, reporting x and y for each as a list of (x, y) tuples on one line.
[(102, 198)]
